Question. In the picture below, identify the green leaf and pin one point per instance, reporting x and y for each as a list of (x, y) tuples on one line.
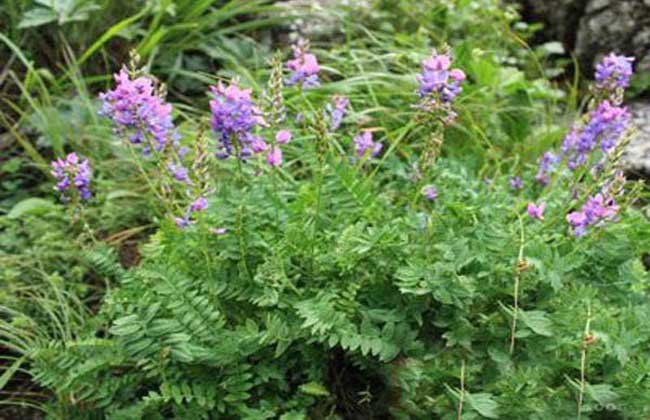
[(537, 321), (10, 371), (37, 17), (483, 404), (293, 415), (31, 206), (604, 394), (553, 47), (314, 388)]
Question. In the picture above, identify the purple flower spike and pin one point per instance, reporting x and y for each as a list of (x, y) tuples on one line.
[(438, 80), (363, 144), (605, 127), (614, 71), (304, 67), (430, 192), (536, 212), (234, 116), (274, 158), (72, 175), (283, 137), (136, 108)]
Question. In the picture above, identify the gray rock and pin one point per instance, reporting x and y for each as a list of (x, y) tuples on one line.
[(313, 22), (636, 160), (622, 26), (592, 28)]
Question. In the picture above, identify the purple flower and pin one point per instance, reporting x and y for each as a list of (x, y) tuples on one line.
[(283, 137), (304, 67), (546, 166), (606, 125), (614, 71), (135, 107), (516, 183), (234, 116), (430, 192), (595, 210), (179, 172), (258, 145), (337, 112), (363, 143), (219, 231), (438, 80), (182, 222), (199, 205), (182, 152), (536, 212), (72, 175), (274, 158)]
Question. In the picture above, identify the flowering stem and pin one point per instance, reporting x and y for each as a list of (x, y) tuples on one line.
[(583, 361), (276, 195), (319, 188), (521, 266), (240, 213)]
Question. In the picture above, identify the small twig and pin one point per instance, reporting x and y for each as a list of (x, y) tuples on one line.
[(123, 235)]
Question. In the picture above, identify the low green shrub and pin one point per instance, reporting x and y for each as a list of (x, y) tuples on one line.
[(363, 281)]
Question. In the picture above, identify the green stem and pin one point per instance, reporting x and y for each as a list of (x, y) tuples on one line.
[(240, 214)]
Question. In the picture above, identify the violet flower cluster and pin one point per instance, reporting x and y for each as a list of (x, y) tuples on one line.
[(234, 116), (605, 127), (614, 72), (304, 67), (438, 82), (134, 106), (596, 209), (73, 176), (337, 111), (364, 144)]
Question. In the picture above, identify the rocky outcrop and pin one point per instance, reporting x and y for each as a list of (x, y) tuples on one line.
[(636, 160), (592, 28)]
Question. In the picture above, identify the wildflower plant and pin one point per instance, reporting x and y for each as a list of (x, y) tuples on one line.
[(315, 274)]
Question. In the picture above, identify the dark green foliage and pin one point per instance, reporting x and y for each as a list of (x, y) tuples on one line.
[(365, 308)]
